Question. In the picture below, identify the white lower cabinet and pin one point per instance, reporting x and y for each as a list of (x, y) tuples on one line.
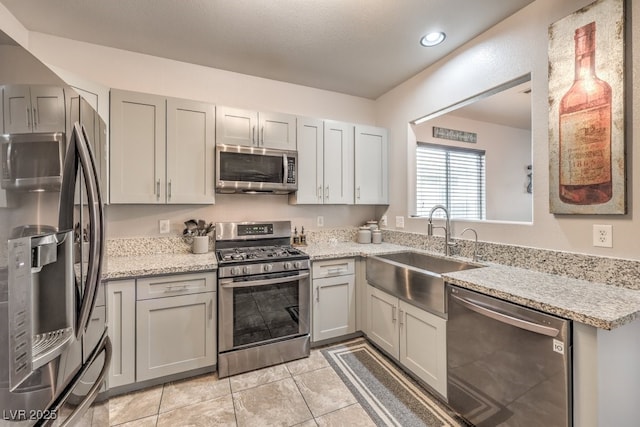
[(121, 321), (414, 337), (160, 326), (334, 312), (175, 334)]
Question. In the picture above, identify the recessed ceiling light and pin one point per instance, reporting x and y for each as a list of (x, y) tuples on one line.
[(432, 39)]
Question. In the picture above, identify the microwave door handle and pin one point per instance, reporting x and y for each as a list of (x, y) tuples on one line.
[(285, 165), (9, 160)]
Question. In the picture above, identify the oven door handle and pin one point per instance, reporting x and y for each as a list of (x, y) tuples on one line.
[(229, 283)]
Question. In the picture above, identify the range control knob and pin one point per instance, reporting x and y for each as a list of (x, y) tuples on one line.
[(287, 266), (234, 271), (245, 269), (297, 264), (267, 267)]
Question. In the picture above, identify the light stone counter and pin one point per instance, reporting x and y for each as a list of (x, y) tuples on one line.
[(592, 303), (151, 265)]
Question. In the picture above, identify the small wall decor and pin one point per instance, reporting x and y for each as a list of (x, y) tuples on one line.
[(586, 111), (455, 135)]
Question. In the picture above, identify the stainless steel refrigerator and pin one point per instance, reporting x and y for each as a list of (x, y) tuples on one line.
[(54, 347)]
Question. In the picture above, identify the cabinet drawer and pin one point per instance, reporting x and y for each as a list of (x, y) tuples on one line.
[(334, 267), (181, 284)]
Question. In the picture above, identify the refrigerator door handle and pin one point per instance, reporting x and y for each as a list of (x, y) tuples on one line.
[(79, 154), (103, 346)]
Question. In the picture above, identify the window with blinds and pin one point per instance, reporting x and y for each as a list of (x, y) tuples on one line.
[(453, 177)]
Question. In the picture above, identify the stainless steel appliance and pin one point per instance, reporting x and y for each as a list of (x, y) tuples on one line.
[(54, 348), (253, 170), (263, 296), (33, 161), (507, 365)]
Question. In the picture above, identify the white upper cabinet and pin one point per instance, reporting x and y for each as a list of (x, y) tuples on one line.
[(137, 166), (190, 151), (310, 162), (162, 150), (338, 162), (371, 165), (33, 109), (253, 129)]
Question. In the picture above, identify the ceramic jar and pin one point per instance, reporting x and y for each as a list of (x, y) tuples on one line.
[(200, 245), (364, 235)]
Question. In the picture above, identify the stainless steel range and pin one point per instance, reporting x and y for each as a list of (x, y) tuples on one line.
[(263, 296)]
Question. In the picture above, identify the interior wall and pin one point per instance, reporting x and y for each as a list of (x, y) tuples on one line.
[(513, 48), (120, 69), (507, 154)]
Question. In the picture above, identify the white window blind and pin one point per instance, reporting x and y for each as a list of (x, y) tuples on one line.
[(450, 176)]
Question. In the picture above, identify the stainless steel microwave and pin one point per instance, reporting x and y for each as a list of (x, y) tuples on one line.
[(33, 161), (242, 169)]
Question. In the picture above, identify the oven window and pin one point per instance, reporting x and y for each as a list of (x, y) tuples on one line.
[(251, 167), (263, 313)]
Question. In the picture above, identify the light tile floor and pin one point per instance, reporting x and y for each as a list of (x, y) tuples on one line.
[(304, 393)]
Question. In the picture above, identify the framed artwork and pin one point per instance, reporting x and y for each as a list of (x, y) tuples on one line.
[(586, 111)]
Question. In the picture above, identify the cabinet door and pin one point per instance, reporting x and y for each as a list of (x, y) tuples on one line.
[(236, 127), (17, 109), (371, 174), (175, 334), (333, 307), (190, 151), (277, 131), (310, 143), (423, 346), (338, 163), (382, 311), (137, 166), (47, 105), (121, 322)]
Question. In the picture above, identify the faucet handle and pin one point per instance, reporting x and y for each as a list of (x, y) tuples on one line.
[(475, 242)]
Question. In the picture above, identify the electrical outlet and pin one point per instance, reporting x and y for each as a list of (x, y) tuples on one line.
[(164, 226), (399, 222), (320, 221), (383, 221), (603, 236)]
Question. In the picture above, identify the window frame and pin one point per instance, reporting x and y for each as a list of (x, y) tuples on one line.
[(481, 199)]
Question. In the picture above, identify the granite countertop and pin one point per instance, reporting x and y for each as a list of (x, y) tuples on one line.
[(592, 303), (151, 265), (595, 304)]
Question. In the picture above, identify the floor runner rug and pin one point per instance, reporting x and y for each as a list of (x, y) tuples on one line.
[(388, 395)]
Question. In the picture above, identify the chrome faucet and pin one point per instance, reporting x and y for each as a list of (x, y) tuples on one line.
[(447, 228), (475, 243)]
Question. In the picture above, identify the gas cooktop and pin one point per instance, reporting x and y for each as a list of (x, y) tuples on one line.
[(259, 253)]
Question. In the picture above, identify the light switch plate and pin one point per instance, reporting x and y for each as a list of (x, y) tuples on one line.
[(164, 226), (603, 236), (399, 222), (320, 221), (383, 221)]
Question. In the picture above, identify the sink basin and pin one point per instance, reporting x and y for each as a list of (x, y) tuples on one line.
[(426, 262), (414, 277)]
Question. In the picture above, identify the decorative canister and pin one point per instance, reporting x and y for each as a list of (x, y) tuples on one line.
[(200, 244), (364, 235), (376, 236)]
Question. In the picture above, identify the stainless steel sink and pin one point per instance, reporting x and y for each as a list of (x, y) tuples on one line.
[(414, 277)]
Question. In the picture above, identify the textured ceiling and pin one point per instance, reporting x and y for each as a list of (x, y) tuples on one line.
[(358, 47)]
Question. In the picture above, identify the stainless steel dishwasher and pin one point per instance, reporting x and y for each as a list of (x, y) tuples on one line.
[(507, 365)]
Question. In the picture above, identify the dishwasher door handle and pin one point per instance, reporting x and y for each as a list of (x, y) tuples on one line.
[(505, 318)]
